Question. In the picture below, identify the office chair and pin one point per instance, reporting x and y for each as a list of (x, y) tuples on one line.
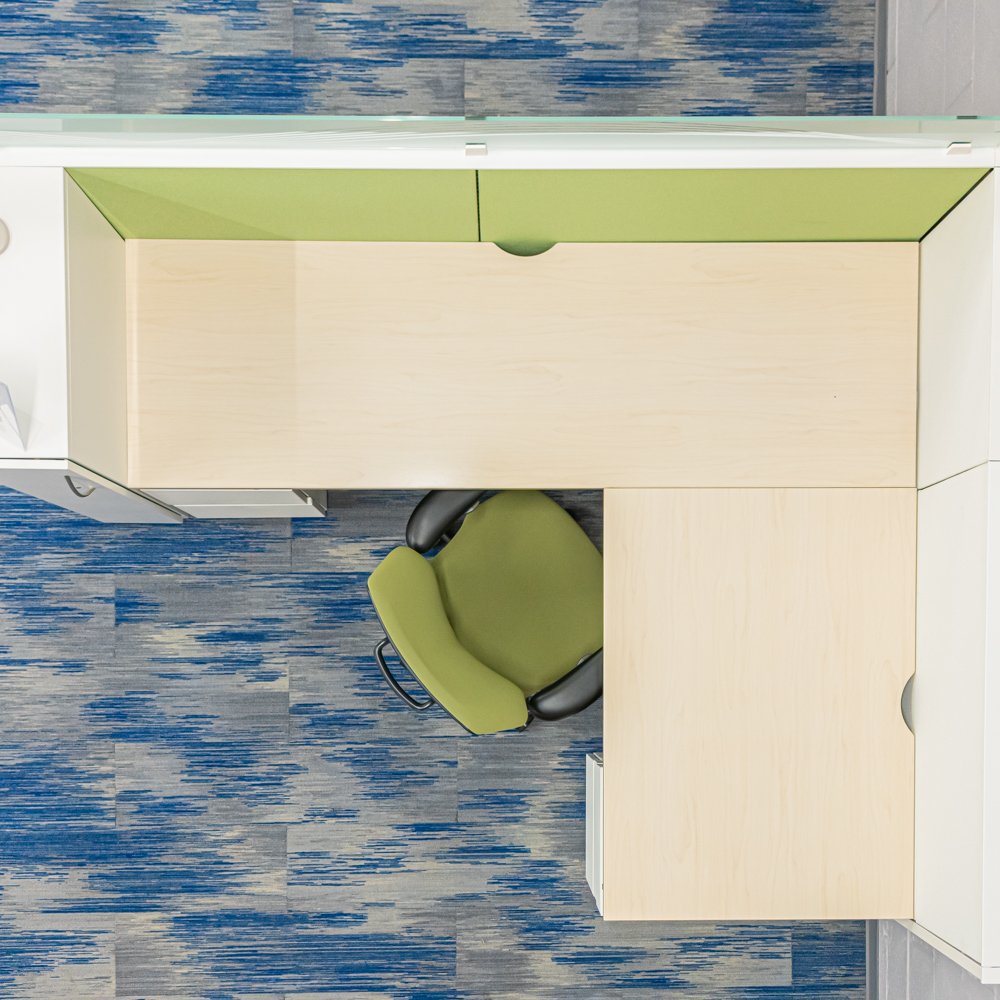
[(501, 624)]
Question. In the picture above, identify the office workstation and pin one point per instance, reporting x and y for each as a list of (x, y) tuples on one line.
[(773, 359)]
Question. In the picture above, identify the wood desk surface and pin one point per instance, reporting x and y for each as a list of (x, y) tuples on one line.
[(757, 639), (757, 765), (404, 365)]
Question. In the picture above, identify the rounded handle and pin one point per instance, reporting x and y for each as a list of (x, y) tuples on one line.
[(4, 236), (76, 491), (906, 702), (525, 248)]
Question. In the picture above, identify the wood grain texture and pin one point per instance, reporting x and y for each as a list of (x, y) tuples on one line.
[(361, 365), (756, 763)]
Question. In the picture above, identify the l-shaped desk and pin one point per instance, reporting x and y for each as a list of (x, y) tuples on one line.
[(750, 411)]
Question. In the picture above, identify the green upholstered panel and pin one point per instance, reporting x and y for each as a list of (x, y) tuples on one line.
[(405, 593), (249, 204), (524, 211), (523, 588)]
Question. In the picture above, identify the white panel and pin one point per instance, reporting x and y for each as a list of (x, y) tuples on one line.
[(95, 264), (245, 503), (595, 828), (948, 708), (33, 309), (102, 500), (254, 510), (994, 410), (991, 744), (956, 331), (204, 498)]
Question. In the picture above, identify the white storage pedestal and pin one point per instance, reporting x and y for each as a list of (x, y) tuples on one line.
[(956, 692)]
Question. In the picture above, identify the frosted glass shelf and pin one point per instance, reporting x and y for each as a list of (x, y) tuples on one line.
[(321, 141)]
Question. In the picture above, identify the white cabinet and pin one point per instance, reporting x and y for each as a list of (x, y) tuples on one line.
[(956, 693), (956, 717), (62, 349), (595, 827)]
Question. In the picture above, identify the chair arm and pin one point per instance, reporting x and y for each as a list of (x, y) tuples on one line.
[(407, 600), (581, 687), (435, 514)]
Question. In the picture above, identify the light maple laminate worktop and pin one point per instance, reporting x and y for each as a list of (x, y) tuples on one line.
[(404, 365), (757, 764)]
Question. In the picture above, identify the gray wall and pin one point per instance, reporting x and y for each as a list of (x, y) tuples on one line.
[(942, 57), (909, 969)]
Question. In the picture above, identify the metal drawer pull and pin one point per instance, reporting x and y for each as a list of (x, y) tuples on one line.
[(76, 491)]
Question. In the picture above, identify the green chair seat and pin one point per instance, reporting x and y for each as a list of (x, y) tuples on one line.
[(537, 610)]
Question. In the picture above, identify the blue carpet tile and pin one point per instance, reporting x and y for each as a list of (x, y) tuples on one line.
[(438, 57), (207, 791)]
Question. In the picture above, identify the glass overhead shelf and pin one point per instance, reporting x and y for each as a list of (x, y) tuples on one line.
[(494, 142)]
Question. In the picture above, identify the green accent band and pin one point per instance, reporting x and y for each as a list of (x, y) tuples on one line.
[(523, 209), (276, 204)]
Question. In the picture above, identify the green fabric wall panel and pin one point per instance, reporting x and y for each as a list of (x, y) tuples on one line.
[(525, 211), (248, 204)]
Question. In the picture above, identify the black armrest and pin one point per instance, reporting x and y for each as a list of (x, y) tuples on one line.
[(581, 687), (435, 514)]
